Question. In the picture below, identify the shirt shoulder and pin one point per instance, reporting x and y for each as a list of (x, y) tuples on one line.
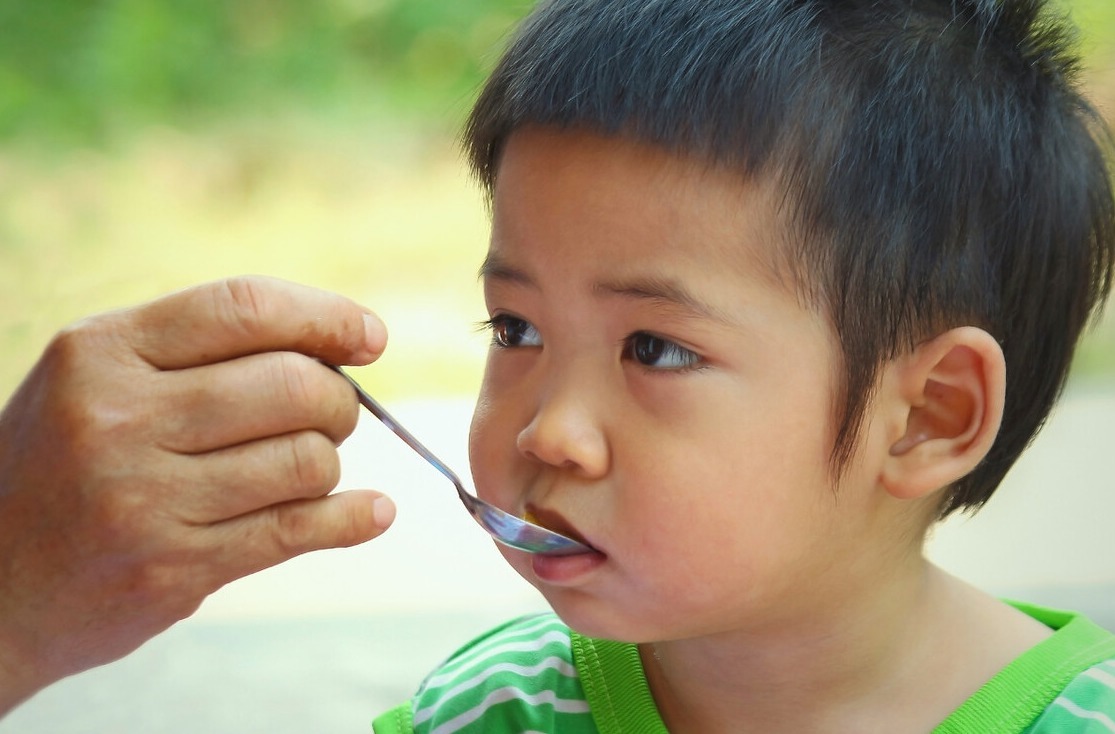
[(1035, 691), (1085, 706), (519, 677)]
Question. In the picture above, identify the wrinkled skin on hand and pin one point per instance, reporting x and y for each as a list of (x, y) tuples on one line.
[(154, 454)]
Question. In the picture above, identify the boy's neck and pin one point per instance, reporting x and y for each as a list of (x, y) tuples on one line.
[(862, 665)]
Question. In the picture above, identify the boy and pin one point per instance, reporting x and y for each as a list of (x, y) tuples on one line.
[(775, 285)]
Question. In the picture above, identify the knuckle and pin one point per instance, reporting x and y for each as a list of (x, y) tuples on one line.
[(240, 304), (168, 585), (153, 580), (166, 579), (70, 348), (340, 409), (94, 430), (353, 530), (91, 431), (66, 347), (296, 381), (118, 514), (295, 528), (314, 397), (346, 417), (89, 390), (314, 463), (104, 420)]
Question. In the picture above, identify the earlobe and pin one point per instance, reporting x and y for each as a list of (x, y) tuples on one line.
[(950, 394)]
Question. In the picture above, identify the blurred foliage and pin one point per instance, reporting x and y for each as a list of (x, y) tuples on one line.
[(87, 69), (83, 70)]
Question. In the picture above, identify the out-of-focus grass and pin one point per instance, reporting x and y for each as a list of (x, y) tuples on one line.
[(386, 218)]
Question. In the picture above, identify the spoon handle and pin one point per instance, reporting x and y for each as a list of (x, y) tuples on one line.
[(388, 420), (506, 528)]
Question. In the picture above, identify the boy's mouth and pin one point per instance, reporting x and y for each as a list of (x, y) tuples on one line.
[(552, 520)]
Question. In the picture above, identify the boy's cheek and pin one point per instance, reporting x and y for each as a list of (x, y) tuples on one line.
[(488, 451)]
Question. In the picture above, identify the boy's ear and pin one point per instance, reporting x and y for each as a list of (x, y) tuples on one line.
[(946, 404)]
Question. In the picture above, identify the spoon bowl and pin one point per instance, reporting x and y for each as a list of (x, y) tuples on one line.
[(506, 528)]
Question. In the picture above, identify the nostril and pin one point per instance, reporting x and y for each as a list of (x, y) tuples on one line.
[(548, 458)]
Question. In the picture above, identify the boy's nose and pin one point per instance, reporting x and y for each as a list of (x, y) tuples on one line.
[(566, 432)]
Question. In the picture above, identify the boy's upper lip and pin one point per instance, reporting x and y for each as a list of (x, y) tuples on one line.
[(554, 520)]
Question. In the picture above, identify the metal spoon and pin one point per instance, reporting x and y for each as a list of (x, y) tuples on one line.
[(503, 526)]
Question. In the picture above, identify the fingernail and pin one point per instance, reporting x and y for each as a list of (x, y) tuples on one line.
[(375, 336), (383, 512)]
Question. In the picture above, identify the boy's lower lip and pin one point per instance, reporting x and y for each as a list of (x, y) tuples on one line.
[(565, 569)]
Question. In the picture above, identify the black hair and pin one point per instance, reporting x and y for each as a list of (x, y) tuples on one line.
[(939, 165)]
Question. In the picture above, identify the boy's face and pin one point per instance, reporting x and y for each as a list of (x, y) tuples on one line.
[(654, 389)]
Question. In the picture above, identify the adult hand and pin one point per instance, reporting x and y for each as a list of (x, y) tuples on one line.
[(155, 454)]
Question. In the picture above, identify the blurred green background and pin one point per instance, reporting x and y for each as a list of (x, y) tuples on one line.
[(146, 145)]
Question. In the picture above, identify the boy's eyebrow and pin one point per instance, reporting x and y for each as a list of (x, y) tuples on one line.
[(648, 288), (666, 291), (493, 268)]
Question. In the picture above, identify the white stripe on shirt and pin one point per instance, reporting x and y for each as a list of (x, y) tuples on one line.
[(1105, 678), (1083, 713), (503, 695), (526, 671), (525, 629), (455, 667)]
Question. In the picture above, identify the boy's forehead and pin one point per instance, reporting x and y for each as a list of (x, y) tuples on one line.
[(570, 171)]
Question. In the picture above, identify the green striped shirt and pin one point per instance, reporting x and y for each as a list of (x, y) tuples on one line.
[(1086, 705), (534, 675), (520, 677)]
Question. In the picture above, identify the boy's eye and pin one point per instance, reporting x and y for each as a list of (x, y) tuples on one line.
[(511, 331), (654, 351)]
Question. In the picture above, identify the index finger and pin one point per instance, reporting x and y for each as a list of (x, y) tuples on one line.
[(247, 315)]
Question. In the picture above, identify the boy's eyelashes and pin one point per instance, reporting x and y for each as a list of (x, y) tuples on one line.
[(658, 353), (511, 331), (642, 347)]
